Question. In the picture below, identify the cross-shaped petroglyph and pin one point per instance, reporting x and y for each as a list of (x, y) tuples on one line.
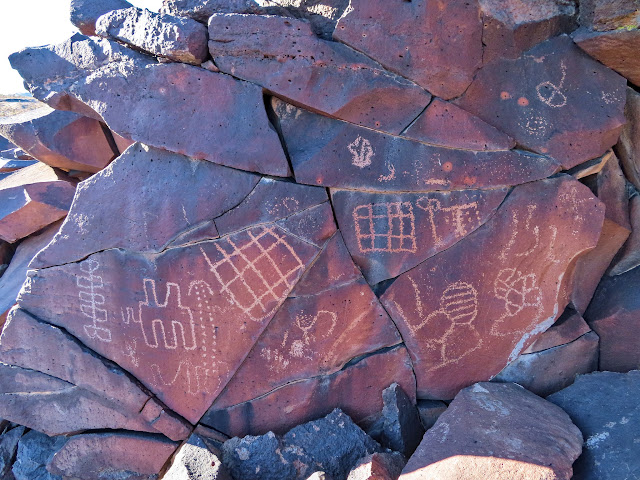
[(91, 301), (257, 274), (385, 227), (551, 94), (361, 152)]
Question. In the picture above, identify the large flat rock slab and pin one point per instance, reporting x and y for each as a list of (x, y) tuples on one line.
[(604, 405), (143, 206), (467, 312), (181, 321), (553, 99), (286, 58), (332, 153), (388, 234), (174, 106), (437, 45), (497, 431)]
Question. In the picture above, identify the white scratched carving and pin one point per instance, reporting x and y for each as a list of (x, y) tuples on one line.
[(390, 176), (550, 94), (361, 152), (515, 231), (91, 301), (518, 291), (385, 227), (461, 217), (196, 377), (247, 270), (536, 126), (283, 206)]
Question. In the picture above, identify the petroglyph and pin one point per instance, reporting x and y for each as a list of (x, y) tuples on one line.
[(458, 216), (390, 176), (91, 301), (536, 126), (550, 94), (518, 291), (533, 233), (385, 227), (196, 377), (283, 206), (361, 152), (253, 273)]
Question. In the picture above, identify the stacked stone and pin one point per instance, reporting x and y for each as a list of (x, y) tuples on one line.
[(311, 225)]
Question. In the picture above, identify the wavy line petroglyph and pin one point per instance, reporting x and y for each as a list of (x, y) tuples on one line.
[(197, 378)]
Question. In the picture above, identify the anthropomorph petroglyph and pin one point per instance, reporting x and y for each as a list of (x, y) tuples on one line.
[(385, 227), (165, 323), (461, 217), (361, 152), (91, 302), (256, 275), (551, 94)]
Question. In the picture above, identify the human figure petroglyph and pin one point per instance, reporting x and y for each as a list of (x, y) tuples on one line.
[(361, 152), (385, 227), (247, 270), (164, 324), (461, 217), (453, 320), (550, 94), (91, 301), (518, 291)]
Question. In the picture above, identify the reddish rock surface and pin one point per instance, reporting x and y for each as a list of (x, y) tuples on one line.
[(628, 146), (613, 315), (146, 188), (16, 273), (497, 431), (569, 327), (285, 57), (162, 105), (179, 39), (388, 234), (616, 49), (467, 312), (115, 454), (553, 99), (333, 153), (511, 28), (445, 124), (330, 318), (606, 15), (31, 199), (438, 45), (61, 139), (301, 401)]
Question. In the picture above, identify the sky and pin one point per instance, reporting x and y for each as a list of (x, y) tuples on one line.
[(32, 23)]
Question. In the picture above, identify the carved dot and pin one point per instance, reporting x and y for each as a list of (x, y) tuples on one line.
[(447, 166), (523, 102), (505, 95)]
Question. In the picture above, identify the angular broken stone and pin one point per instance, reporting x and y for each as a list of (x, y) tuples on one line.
[(34, 452), (493, 430), (8, 165), (32, 198), (430, 411), (143, 204), (604, 405), (8, 448), (401, 427), (16, 274), (85, 13), (332, 153), (467, 312), (178, 107), (61, 139), (181, 321), (629, 256), (179, 39), (603, 15), (511, 28), (616, 49), (445, 124), (388, 234), (628, 146), (551, 363), (437, 45), (122, 455), (285, 57), (378, 466), (613, 315), (553, 99), (332, 444), (305, 400), (194, 460), (330, 318)]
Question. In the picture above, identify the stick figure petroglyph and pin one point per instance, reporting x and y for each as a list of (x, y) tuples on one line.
[(552, 95), (91, 301), (361, 152), (458, 216)]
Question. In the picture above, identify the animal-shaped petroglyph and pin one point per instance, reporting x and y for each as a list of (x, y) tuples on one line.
[(385, 227), (91, 301), (551, 94), (164, 323), (296, 342), (390, 176), (256, 274), (448, 328), (518, 291), (461, 217), (361, 152)]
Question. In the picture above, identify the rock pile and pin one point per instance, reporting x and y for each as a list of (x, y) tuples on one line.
[(322, 228)]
